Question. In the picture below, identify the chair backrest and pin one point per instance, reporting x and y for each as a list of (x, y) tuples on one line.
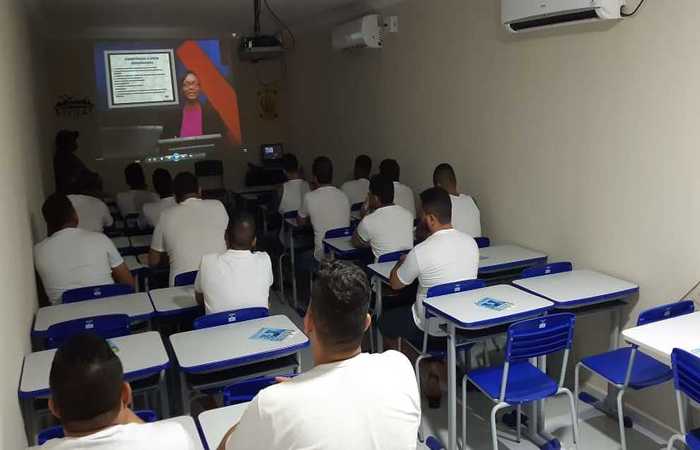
[(186, 278), (482, 242), (107, 326), (147, 415), (57, 432), (686, 373), (662, 312), (338, 232), (356, 206), (94, 292), (226, 317), (246, 390), (546, 269), (540, 336), (434, 444), (452, 288), (393, 256)]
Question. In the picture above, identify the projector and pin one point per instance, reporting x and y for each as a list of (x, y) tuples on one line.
[(259, 48)]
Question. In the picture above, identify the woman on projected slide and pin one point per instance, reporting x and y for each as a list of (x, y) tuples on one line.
[(195, 118)]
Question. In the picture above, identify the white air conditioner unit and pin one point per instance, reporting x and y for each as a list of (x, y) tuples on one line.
[(526, 15), (365, 32)]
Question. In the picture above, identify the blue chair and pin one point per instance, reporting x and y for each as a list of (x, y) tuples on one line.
[(226, 317), (434, 444), (107, 326), (517, 381), (336, 233), (628, 368), (483, 242), (546, 269), (95, 292), (246, 390), (56, 432), (185, 278), (686, 380)]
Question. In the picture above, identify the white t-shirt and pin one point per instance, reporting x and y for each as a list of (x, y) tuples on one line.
[(387, 229), (234, 280), (132, 201), (188, 231), (151, 211), (133, 436), (445, 257), (403, 196), (73, 258), (293, 192), (356, 190), (368, 402), (328, 209), (93, 213), (465, 215)]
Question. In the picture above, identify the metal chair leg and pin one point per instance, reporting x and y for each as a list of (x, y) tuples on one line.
[(577, 388), (674, 438), (518, 422), (621, 420), (464, 411), (572, 410)]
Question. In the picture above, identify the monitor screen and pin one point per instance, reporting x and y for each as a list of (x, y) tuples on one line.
[(272, 152)]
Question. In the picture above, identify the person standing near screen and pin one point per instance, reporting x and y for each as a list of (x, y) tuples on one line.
[(196, 118)]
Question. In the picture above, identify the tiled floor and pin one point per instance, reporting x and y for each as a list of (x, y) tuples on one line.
[(597, 432)]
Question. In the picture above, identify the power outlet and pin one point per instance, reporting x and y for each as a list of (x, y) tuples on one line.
[(391, 24)]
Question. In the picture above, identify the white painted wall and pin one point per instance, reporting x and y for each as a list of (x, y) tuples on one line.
[(582, 142), (24, 117)]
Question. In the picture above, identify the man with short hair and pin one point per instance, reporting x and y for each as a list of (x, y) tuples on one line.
[(131, 201), (349, 399), (189, 230), (403, 195), (389, 227), (71, 258), (357, 189), (239, 278), (91, 399), (295, 188), (93, 213), (465, 214), (163, 184)]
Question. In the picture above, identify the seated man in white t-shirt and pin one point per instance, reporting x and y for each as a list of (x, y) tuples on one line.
[(357, 189), (91, 399), (163, 184), (71, 258), (446, 256), (291, 195), (239, 278), (189, 230), (403, 195), (93, 213), (465, 214), (349, 399), (131, 202), (389, 227)]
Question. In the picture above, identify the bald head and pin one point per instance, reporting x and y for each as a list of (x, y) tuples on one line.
[(444, 177), (240, 234)]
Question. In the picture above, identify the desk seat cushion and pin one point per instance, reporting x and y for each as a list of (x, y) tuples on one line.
[(692, 439), (526, 383), (613, 367)]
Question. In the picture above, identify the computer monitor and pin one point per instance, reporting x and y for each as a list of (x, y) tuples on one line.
[(271, 153)]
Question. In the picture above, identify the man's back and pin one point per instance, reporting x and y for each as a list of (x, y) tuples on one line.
[(328, 209), (356, 190), (368, 402), (293, 192), (465, 215), (152, 211), (403, 196), (93, 213), (188, 231), (131, 201), (73, 258), (156, 435), (388, 229)]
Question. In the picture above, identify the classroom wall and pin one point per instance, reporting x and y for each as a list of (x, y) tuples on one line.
[(73, 73), (24, 117), (581, 142)]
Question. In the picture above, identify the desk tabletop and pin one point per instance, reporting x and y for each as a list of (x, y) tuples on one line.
[(133, 263), (137, 306), (141, 241), (216, 422), (463, 310), (141, 354), (121, 242), (382, 270), (658, 339), (341, 244), (256, 189), (578, 288), (173, 300), (498, 258), (216, 348)]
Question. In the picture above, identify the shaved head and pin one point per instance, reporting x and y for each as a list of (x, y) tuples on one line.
[(241, 231), (444, 177)]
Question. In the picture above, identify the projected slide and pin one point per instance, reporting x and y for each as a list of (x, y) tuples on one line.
[(138, 78)]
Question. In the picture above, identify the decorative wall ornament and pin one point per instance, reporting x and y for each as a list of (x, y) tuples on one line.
[(267, 102), (69, 106)]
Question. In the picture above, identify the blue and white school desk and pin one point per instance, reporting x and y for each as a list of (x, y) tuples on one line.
[(138, 270), (122, 243), (216, 349), (137, 306), (140, 243), (585, 292), (292, 225), (475, 323), (215, 423), (380, 274), (342, 248), (502, 258), (142, 355), (173, 301), (658, 339)]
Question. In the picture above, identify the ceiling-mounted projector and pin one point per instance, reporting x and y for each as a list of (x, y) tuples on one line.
[(259, 47)]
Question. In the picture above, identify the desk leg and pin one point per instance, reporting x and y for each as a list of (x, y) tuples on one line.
[(294, 267), (610, 402), (185, 394), (163, 396), (451, 388), (378, 306)]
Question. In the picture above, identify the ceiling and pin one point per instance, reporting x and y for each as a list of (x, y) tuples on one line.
[(97, 18)]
